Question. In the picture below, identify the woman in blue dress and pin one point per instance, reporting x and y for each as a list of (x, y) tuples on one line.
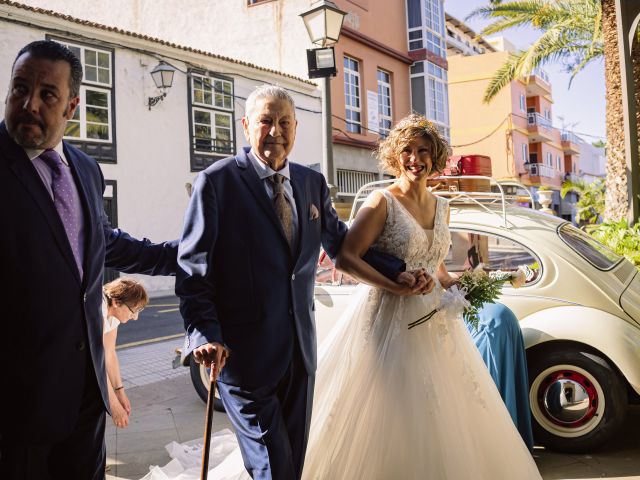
[(501, 345)]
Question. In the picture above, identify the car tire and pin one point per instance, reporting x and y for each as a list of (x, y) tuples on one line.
[(200, 379), (578, 402)]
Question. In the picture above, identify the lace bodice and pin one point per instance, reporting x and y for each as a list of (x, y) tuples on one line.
[(404, 238)]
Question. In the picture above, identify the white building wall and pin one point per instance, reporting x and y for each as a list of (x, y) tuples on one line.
[(153, 146), (270, 34), (592, 164)]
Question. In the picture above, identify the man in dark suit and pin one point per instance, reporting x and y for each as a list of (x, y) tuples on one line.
[(54, 245), (249, 250)]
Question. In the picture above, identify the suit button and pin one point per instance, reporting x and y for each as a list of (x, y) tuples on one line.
[(80, 346), (293, 277), (290, 311), (85, 298)]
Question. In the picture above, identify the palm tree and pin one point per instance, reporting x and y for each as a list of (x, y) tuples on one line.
[(616, 196), (590, 204), (575, 32)]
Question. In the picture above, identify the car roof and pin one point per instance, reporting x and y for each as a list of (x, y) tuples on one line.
[(491, 215)]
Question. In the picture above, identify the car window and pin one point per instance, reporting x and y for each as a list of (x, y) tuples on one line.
[(588, 247), (469, 249), (326, 274)]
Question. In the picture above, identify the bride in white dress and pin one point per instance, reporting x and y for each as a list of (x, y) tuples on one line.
[(393, 402)]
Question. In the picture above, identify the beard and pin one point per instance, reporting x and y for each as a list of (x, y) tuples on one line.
[(23, 132)]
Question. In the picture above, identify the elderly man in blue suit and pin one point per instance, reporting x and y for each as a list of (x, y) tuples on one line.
[(55, 242), (249, 251)]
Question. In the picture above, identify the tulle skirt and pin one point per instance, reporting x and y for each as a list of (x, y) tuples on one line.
[(419, 403), (394, 402)]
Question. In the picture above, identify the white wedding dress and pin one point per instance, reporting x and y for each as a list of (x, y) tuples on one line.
[(399, 403)]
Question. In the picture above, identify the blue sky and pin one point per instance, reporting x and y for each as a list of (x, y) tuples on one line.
[(583, 104)]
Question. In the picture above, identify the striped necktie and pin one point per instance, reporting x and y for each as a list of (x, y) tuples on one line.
[(282, 206)]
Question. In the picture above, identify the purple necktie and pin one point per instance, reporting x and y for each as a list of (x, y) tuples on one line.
[(65, 201)]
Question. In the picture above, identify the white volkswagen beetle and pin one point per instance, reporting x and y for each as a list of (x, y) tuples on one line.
[(579, 312)]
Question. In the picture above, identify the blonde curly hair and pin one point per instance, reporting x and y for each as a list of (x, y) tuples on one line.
[(404, 132)]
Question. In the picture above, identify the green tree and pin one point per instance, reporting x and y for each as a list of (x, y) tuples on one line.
[(590, 204), (570, 31), (575, 32), (620, 237)]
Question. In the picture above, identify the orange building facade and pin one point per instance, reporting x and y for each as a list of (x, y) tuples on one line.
[(371, 90), (515, 129)]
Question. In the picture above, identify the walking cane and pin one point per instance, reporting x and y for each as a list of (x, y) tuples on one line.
[(207, 426), (204, 472)]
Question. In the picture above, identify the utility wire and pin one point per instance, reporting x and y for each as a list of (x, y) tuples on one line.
[(486, 136)]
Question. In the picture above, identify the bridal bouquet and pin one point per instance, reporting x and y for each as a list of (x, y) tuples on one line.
[(473, 289)]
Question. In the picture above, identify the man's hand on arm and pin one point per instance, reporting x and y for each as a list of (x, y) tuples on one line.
[(212, 355)]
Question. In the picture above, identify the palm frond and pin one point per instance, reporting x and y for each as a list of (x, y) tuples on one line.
[(568, 34), (569, 186), (503, 76)]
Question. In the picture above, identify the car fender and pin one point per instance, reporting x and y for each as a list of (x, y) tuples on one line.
[(616, 338)]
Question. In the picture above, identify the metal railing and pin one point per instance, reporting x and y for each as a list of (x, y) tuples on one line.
[(350, 181), (538, 72), (540, 170), (534, 118), (212, 146), (572, 177), (569, 137), (484, 200)]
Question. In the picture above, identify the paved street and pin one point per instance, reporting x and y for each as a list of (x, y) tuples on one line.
[(166, 408), (160, 319)]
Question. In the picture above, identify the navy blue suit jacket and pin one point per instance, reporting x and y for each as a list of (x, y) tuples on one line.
[(50, 316), (241, 285)]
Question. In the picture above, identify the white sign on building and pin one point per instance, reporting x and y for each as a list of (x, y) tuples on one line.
[(373, 119)]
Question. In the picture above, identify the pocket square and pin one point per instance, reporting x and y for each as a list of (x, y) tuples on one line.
[(313, 212)]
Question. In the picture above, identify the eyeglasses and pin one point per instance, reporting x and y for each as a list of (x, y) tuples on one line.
[(136, 311)]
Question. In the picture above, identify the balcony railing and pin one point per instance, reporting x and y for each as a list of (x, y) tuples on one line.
[(572, 177), (540, 170), (534, 118), (350, 181), (541, 73), (212, 146), (569, 137)]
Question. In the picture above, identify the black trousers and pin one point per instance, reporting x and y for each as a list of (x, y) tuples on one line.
[(80, 456)]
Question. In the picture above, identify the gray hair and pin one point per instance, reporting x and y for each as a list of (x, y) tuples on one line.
[(268, 91)]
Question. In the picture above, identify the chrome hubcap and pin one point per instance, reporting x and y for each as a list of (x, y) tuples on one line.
[(567, 398)]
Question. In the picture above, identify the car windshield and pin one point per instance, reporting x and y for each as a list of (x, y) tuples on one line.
[(588, 247)]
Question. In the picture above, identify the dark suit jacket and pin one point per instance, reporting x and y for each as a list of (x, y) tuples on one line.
[(52, 320), (241, 286)]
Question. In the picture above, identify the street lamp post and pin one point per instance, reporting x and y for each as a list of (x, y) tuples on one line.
[(324, 22), (162, 76)]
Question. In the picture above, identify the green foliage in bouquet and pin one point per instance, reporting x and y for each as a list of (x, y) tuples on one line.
[(481, 288)]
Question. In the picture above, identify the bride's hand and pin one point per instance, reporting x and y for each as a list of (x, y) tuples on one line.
[(424, 282), (414, 282), (406, 278), (449, 280)]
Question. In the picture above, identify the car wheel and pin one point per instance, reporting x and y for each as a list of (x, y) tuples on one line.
[(578, 401), (200, 380)]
